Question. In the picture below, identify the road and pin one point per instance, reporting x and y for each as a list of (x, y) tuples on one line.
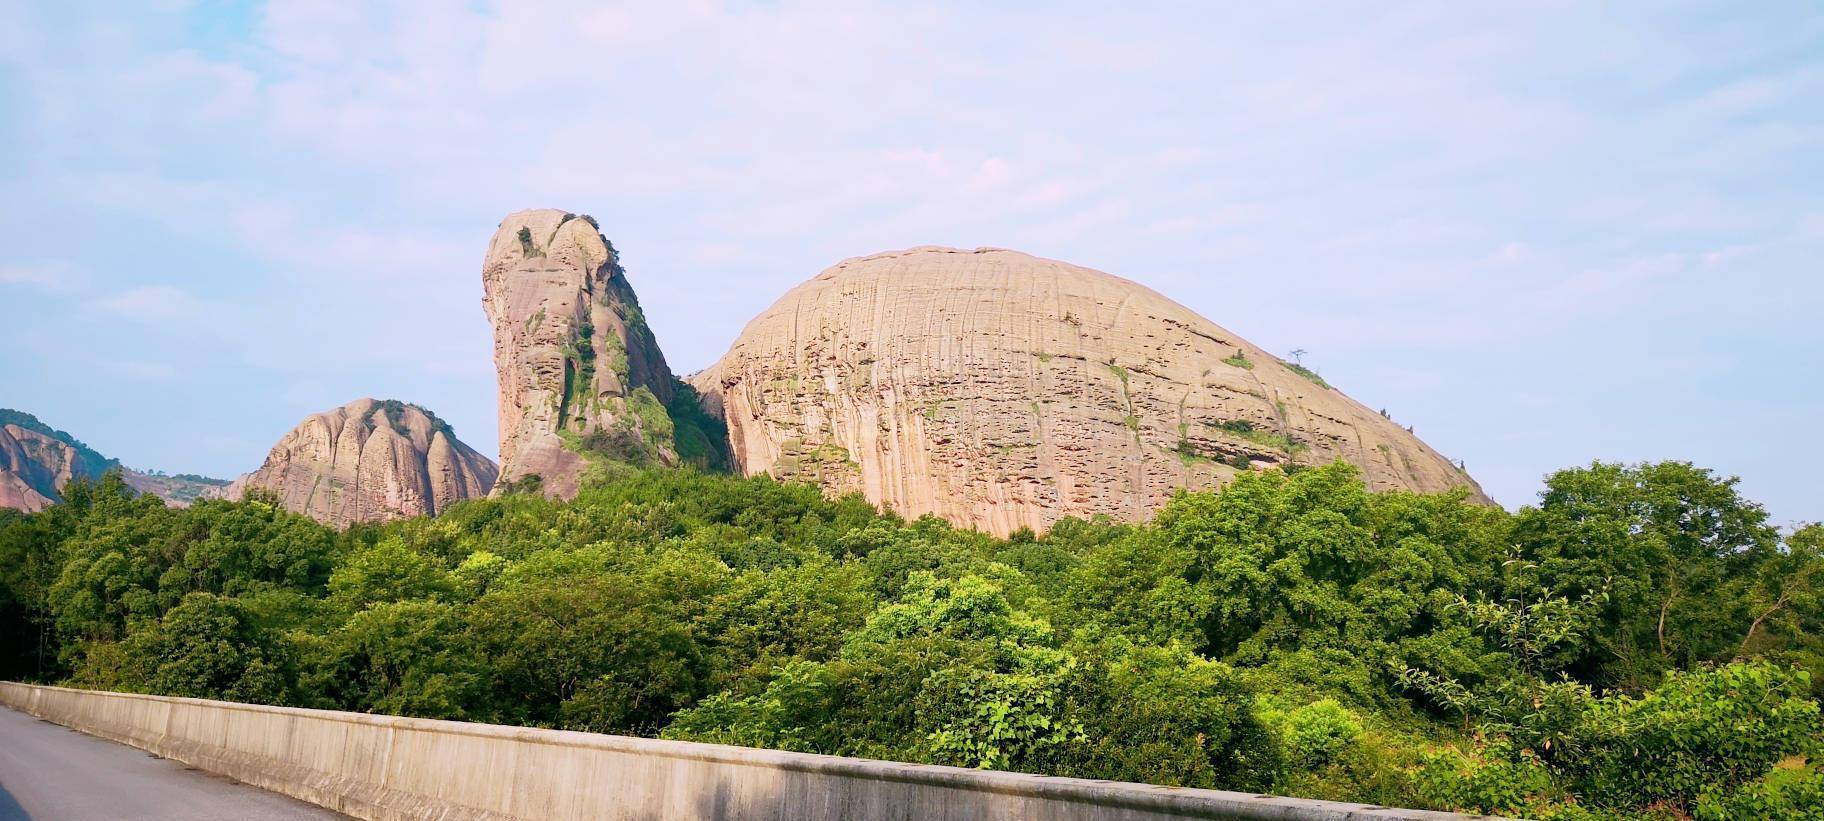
[(52, 773)]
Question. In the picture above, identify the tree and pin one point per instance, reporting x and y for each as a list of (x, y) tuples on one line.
[(206, 647), (1666, 546)]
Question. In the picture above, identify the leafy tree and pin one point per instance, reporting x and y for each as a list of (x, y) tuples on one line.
[(388, 572), (572, 643), (1785, 597), (206, 647), (1664, 546), (396, 657)]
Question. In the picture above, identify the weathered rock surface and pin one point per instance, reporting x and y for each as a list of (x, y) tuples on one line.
[(370, 461), (999, 390), (579, 369), (33, 468), (37, 461)]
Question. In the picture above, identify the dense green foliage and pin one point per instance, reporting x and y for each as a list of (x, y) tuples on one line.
[(1640, 643)]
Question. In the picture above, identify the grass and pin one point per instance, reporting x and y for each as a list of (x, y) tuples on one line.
[(1244, 429), (1308, 374), (1239, 360), (1189, 454)]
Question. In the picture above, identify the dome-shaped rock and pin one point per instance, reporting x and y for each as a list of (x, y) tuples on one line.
[(370, 461), (999, 390)]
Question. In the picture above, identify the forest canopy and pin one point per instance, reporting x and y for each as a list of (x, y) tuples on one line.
[(1641, 642)]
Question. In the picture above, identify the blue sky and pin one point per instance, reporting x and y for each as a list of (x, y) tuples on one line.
[(1541, 233)]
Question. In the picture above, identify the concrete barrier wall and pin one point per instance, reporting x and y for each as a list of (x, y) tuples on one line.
[(386, 767)]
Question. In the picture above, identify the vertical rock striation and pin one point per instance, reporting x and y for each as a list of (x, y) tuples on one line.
[(38, 461), (999, 390), (370, 461), (34, 467), (580, 374)]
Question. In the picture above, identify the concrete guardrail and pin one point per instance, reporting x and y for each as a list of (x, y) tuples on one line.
[(388, 767)]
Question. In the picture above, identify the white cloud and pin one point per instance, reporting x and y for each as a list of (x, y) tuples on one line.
[(150, 303), (55, 276)]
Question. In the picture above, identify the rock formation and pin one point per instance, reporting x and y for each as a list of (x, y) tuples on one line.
[(34, 467), (370, 461), (580, 374), (999, 391), (37, 461)]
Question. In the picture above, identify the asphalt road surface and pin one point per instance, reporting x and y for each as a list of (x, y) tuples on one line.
[(52, 773)]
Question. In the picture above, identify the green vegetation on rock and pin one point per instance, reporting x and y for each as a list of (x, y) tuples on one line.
[(1639, 643), (1307, 373), (1243, 429), (702, 439), (393, 411)]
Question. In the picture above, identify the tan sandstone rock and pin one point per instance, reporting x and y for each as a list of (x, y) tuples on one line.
[(999, 390), (579, 369), (37, 461), (370, 461), (33, 468)]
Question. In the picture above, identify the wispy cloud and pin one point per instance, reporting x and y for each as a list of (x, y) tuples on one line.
[(55, 276), (150, 303)]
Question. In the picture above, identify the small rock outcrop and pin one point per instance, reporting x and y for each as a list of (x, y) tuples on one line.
[(370, 461), (580, 374), (999, 391)]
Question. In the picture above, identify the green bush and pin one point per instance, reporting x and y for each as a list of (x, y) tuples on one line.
[(1314, 735), (1699, 731), (1787, 792)]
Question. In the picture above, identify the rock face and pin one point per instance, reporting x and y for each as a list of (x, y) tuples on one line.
[(370, 461), (37, 461), (999, 390), (34, 467), (579, 370)]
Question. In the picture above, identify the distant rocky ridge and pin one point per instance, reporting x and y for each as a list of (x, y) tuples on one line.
[(37, 461), (581, 376), (999, 390), (369, 461), (178, 490)]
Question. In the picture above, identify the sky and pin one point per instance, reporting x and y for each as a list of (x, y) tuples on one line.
[(1540, 233)]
